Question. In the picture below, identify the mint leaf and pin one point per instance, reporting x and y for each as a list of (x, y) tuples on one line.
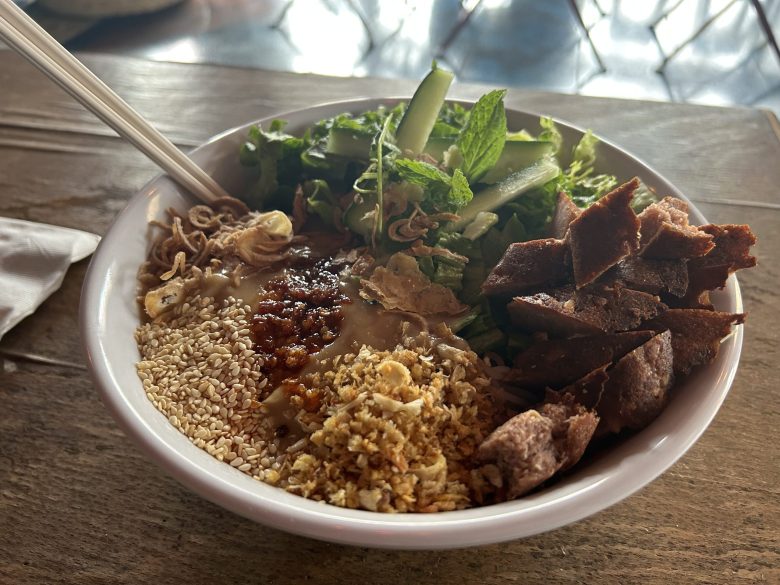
[(421, 173), (482, 138), (460, 192), (442, 192)]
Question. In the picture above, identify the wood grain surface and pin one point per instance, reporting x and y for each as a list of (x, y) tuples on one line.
[(79, 503)]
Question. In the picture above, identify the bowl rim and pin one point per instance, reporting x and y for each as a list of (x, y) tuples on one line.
[(474, 526)]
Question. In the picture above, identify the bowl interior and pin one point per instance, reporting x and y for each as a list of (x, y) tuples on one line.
[(109, 317)]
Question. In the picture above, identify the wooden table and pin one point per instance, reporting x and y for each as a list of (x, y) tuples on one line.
[(78, 502)]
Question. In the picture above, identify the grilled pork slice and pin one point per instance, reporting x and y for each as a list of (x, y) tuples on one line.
[(532, 446), (702, 280), (732, 243), (666, 234), (556, 363), (629, 394), (731, 252), (565, 312), (696, 334), (565, 213), (586, 391), (526, 265), (638, 386), (651, 276), (603, 234)]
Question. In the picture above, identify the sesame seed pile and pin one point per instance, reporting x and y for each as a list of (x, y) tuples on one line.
[(199, 370), (388, 431)]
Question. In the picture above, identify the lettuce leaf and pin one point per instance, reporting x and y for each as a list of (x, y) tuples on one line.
[(550, 132), (579, 181), (496, 241), (585, 151), (368, 123), (474, 272), (453, 116), (643, 197), (444, 130), (483, 333), (276, 156), (449, 274), (460, 245), (533, 211), (584, 188)]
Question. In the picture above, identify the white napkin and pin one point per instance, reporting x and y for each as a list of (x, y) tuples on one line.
[(33, 260)]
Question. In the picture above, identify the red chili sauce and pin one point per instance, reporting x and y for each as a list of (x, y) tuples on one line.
[(299, 313)]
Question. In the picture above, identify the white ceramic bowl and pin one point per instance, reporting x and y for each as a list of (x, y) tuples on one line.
[(109, 316)]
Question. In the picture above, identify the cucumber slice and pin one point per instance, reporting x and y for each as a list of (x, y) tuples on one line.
[(492, 197), (483, 221), (355, 217), (420, 116), (348, 143), (517, 154)]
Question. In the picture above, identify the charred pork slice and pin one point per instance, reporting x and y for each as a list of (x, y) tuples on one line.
[(586, 391), (730, 253), (666, 233), (603, 234), (732, 246), (702, 280), (651, 276), (558, 362), (696, 334), (525, 265), (566, 312), (532, 446), (565, 213), (638, 386), (629, 394)]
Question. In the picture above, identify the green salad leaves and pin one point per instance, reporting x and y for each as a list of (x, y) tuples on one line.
[(474, 189), (277, 158)]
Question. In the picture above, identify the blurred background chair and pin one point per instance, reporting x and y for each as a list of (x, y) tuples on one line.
[(703, 51), (720, 51), (763, 21)]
